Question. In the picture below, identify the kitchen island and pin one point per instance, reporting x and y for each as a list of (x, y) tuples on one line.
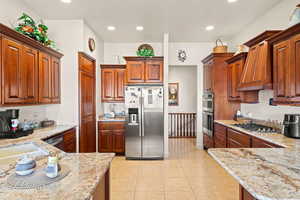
[(264, 174), (88, 177)]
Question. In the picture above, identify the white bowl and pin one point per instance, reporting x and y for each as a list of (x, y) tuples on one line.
[(24, 173)]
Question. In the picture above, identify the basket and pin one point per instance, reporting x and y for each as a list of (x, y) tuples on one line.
[(220, 48)]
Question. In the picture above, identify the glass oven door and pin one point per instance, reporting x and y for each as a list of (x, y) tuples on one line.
[(208, 123)]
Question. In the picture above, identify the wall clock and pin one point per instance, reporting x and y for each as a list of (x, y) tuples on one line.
[(182, 55), (92, 44)]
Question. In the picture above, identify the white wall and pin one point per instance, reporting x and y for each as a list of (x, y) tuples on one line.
[(68, 34), (276, 18), (115, 50), (186, 76), (11, 10)]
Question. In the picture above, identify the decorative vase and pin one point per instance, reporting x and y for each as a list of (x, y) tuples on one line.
[(295, 17), (241, 49)]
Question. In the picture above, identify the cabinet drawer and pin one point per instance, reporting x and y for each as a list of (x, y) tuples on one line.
[(111, 125), (258, 143), (240, 138)]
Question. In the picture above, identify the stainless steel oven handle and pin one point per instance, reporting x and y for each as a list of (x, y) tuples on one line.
[(140, 117)]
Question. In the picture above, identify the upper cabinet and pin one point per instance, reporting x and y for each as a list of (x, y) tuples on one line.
[(257, 73), (236, 66), (286, 66), (113, 79), (142, 70), (30, 72)]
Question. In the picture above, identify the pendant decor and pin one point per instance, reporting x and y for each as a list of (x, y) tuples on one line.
[(92, 44), (27, 26), (295, 17), (145, 50), (182, 55)]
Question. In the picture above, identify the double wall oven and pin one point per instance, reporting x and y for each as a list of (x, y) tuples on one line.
[(208, 113)]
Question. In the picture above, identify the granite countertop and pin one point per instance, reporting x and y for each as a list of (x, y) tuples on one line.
[(116, 119), (267, 174), (87, 170)]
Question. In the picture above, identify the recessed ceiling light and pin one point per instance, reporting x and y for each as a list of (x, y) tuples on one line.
[(210, 28), (139, 28), (232, 1), (66, 1), (111, 28)]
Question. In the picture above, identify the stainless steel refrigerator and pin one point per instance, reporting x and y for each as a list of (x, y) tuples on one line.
[(144, 135)]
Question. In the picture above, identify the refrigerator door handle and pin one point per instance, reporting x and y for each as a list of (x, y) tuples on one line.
[(140, 118), (143, 115)]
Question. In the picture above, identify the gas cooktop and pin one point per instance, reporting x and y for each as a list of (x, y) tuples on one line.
[(256, 128)]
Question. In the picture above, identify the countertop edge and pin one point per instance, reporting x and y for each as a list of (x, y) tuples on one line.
[(236, 177)]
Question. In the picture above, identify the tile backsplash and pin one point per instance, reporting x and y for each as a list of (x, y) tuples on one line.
[(113, 107), (30, 113), (264, 111)]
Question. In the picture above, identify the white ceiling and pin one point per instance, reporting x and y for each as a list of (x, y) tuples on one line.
[(184, 20)]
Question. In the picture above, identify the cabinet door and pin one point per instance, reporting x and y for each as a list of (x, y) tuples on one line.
[(135, 71), (236, 71), (45, 87), (237, 139), (55, 80), (70, 141), (119, 141), (154, 71), (208, 76), (282, 69), (29, 75), (108, 85), (119, 85), (295, 65), (106, 141), (11, 71)]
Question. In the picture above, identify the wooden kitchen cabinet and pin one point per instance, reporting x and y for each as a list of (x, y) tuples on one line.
[(235, 68), (245, 195), (113, 83), (30, 72), (208, 76), (70, 141), (19, 75), (208, 142), (143, 70), (258, 143), (257, 72), (111, 137), (220, 136), (237, 139), (286, 65)]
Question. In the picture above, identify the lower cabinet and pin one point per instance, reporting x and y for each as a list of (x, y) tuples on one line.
[(258, 143), (237, 139), (208, 142), (245, 195), (220, 136), (227, 137), (111, 137), (70, 141)]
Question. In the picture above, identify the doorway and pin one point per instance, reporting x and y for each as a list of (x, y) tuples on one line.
[(87, 103), (182, 101)]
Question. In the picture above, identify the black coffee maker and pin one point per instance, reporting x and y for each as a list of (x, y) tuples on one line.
[(292, 125), (8, 120), (9, 125)]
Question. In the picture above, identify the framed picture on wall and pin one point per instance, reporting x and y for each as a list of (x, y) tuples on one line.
[(173, 94)]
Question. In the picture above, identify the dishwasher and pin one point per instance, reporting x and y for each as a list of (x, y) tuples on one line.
[(57, 141)]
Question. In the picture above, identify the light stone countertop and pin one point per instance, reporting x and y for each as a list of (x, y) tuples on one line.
[(116, 119), (87, 170), (267, 174)]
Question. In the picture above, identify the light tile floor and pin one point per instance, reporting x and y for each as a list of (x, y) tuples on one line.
[(188, 174)]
